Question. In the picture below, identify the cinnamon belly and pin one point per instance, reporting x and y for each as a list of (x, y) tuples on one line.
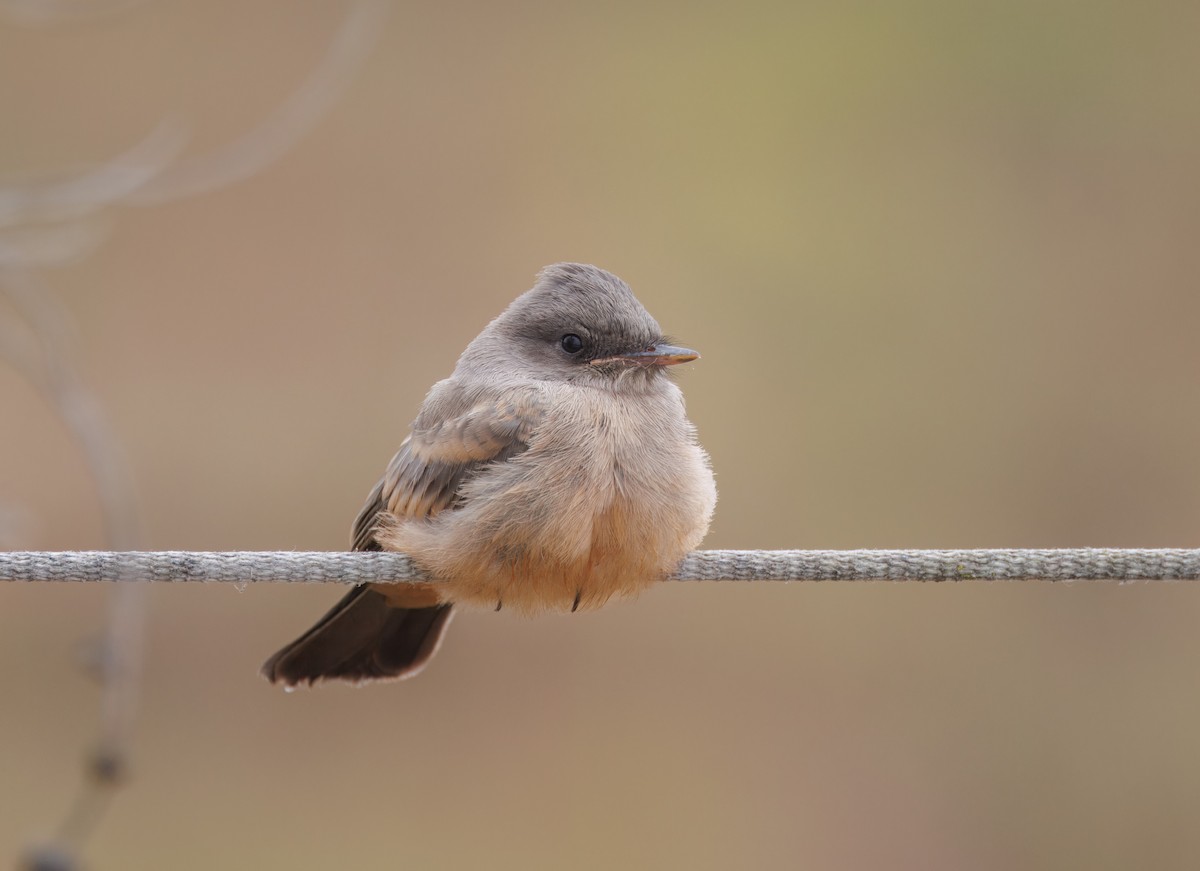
[(623, 557)]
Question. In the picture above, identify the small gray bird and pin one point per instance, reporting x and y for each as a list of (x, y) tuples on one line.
[(554, 469)]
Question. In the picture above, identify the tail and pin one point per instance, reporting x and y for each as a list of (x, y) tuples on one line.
[(362, 638)]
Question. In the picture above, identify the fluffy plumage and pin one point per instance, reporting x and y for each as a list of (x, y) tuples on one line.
[(534, 478)]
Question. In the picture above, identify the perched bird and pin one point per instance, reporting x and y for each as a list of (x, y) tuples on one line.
[(554, 469)]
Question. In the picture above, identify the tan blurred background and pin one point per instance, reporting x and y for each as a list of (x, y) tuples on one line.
[(941, 260)]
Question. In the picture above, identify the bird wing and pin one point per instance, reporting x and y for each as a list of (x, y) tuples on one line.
[(442, 453)]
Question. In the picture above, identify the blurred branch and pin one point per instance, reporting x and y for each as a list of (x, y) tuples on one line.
[(44, 355), (80, 194), (337, 567), (49, 245), (284, 127), (50, 222), (148, 173), (40, 13), (58, 379)]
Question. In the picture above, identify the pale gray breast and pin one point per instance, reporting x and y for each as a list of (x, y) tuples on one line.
[(632, 453)]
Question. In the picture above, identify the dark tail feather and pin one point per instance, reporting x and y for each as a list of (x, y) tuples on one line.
[(361, 638)]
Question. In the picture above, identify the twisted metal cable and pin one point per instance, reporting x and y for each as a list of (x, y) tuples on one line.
[(336, 567)]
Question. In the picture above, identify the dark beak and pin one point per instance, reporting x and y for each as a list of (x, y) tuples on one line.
[(661, 354)]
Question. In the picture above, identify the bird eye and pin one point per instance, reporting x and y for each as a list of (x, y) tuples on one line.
[(571, 343)]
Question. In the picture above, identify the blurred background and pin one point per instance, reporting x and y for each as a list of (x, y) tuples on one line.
[(941, 261)]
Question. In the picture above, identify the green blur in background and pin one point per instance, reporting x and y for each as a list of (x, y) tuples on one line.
[(941, 261)]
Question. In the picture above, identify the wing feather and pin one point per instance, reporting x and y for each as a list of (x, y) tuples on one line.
[(427, 473)]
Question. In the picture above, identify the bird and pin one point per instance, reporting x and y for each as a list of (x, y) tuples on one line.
[(554, 469)]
